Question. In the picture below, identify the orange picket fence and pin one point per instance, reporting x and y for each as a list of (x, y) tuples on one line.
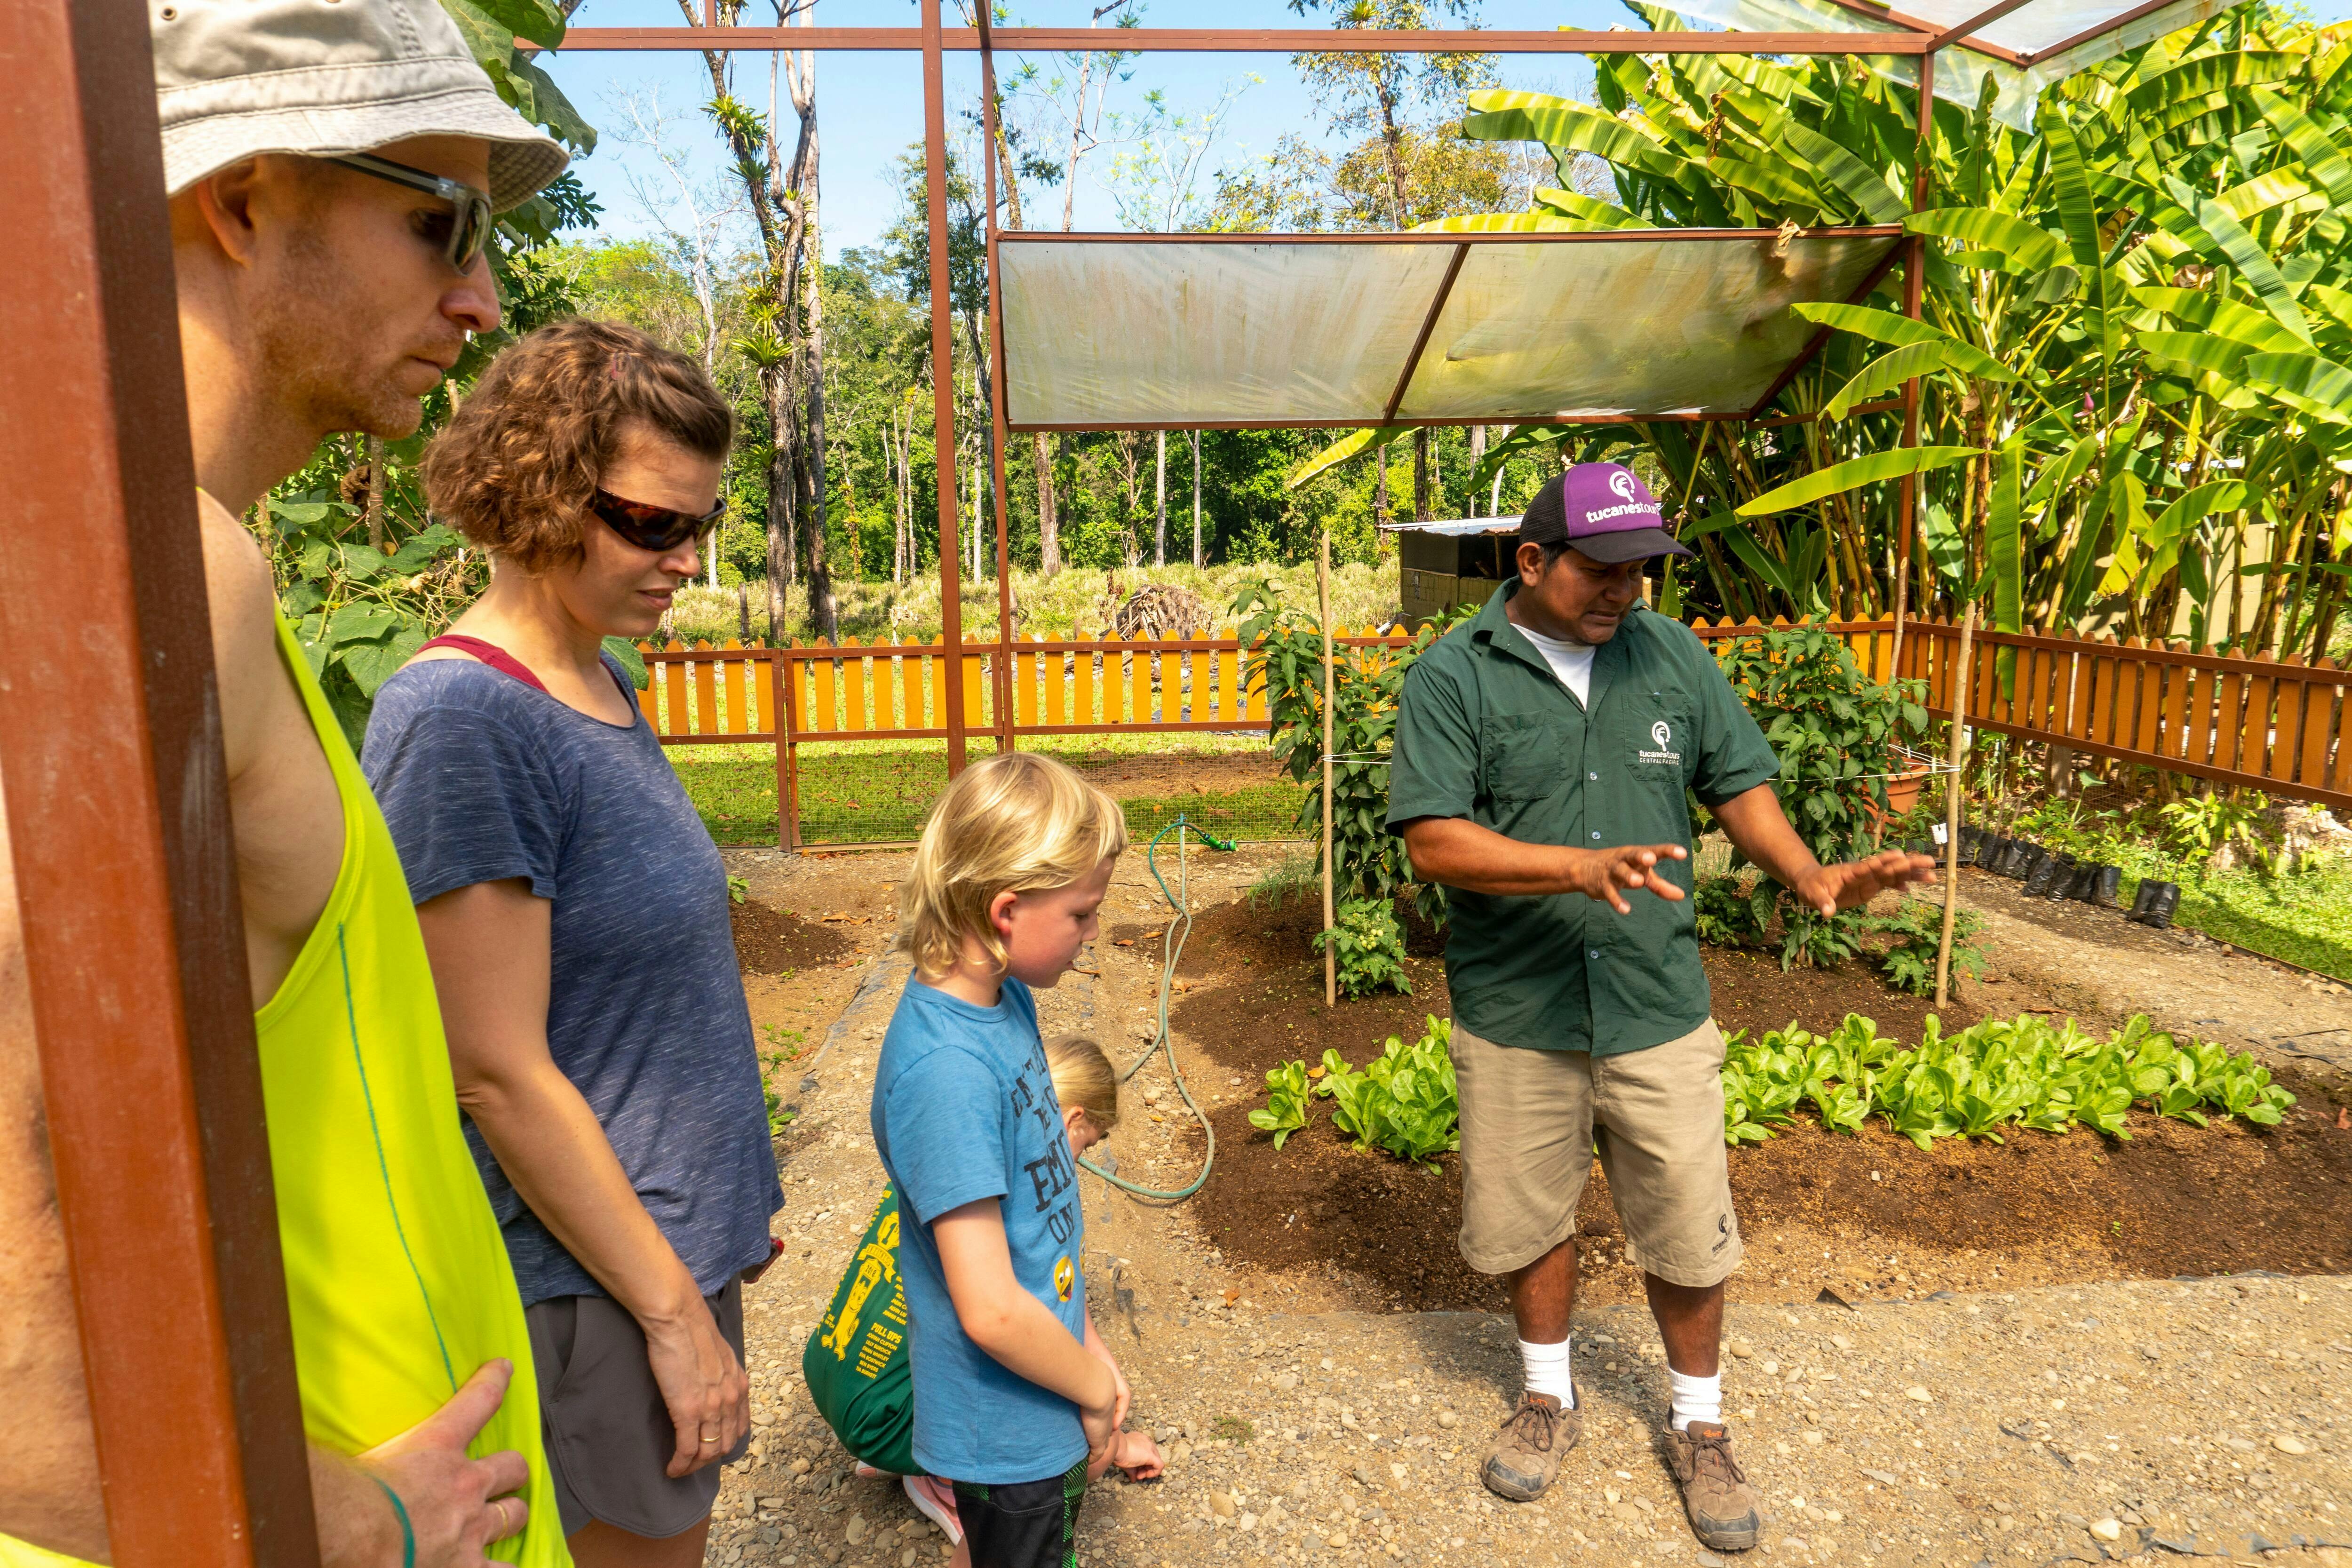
[(898, 690), (2274, 725), (2269, 724)]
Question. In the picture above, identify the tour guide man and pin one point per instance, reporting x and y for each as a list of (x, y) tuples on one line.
[(1541, 755)]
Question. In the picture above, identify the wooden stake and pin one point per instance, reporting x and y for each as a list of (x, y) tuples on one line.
[(1952, 809), (1323, 594)]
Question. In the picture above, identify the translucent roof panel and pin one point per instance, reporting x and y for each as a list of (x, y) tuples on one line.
[(2027, 39), (1103, 332), (1646, 325), (1107, 331)]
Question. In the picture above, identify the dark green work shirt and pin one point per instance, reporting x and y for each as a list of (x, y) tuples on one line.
[(1487, 731)]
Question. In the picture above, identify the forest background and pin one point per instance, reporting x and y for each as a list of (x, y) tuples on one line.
[(2136, 416)]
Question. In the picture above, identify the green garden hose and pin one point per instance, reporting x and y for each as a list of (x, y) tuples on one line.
[(1171, 948)]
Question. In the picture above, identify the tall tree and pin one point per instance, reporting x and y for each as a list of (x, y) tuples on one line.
[(787, 344)]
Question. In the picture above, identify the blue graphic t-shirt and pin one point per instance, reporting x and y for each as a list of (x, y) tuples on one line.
[(964, 1109)]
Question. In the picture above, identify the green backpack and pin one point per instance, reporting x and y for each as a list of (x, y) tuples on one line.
[(855, 1363)]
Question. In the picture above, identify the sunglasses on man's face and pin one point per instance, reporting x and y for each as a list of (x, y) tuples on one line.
[(460, 233), (654, 528)]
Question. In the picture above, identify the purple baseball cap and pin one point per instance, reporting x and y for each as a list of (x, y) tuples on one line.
[(1603, 511)]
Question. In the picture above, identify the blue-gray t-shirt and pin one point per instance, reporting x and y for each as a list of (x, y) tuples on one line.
[(485, 779), (964, 1109)]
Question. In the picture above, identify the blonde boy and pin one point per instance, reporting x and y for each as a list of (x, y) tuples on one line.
[(1013, 1391)]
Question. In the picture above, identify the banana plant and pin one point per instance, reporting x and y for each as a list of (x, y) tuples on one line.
[(2135, 350)]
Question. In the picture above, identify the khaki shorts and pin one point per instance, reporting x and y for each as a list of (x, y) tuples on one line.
[(1529, 1122)]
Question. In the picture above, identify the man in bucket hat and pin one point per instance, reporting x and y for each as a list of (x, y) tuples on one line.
[(334, 167), (1542, 754)]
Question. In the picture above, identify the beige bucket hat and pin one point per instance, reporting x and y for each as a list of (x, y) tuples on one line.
[(234, 78)]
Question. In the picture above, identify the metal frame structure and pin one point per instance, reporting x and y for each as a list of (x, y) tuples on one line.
[(120, 834)]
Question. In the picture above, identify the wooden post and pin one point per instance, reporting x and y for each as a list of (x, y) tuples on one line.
[(1952, 808), (1323, 594), (1913, 283), (935, 185), (786, 706), (117, 794)]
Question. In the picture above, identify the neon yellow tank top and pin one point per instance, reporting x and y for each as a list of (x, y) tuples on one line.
[(397, 1277)]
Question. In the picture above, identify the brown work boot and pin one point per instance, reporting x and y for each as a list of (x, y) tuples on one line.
[(1525, 1458), (1716, 1494)]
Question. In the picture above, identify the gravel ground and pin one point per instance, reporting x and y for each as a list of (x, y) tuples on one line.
[(2100, 1421)]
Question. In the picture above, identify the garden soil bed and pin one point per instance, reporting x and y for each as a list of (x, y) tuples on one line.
[(1861, 1217), (772, 941)]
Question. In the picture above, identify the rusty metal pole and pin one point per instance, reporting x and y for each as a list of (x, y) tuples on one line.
[(935, 186), (1952, 806), (133, 946), (1330, 950), (1914, 287), (998, 395)]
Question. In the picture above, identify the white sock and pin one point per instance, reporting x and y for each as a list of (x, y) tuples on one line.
[(1695, 1398), (1547, 1372)]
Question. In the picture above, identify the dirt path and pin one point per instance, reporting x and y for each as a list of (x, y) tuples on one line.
[(2204, 1416), (2098, 965)]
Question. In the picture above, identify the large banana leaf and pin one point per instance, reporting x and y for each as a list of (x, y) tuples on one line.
[(2210, 74), (2216, 234), (2322, 160), (1870, 322), (1511, 223), (1565, 126), (2194, 353), (1340, 450), (1855, 473), (2214, 313), (2017, 244), (2319, 387), (1888, 372), (1849, 175), (2078, 214), (1592, 212)]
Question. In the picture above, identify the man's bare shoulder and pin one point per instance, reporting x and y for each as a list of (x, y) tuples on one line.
[(242, 606)]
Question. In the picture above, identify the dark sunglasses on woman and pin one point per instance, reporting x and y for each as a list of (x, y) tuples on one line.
[(462, 234), (655, 527)]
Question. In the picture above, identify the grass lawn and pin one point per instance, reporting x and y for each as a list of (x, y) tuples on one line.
[(879, 791), (2304, 917)]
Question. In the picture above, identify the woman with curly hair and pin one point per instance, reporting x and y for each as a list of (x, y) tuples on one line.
[(576, 914)]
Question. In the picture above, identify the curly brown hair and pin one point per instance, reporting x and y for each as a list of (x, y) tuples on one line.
[(514, 468)]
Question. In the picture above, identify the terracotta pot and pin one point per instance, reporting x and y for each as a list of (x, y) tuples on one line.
[(1903, 789)]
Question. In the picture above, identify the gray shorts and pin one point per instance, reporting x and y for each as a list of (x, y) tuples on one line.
[(609, 1436)]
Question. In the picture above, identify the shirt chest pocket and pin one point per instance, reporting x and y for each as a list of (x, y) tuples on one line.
[(1663, 747), (1519, 756)]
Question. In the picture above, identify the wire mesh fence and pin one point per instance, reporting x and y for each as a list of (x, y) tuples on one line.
[(879, 791)]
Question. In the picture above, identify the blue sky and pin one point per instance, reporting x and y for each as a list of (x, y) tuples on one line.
[(870, 106)]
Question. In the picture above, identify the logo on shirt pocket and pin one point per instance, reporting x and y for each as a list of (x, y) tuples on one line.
[(1662, 733), (1064, 1277)]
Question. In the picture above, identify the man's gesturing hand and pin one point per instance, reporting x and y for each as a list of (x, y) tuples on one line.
[(1853, 883), (456, 1505), (1609, 874)]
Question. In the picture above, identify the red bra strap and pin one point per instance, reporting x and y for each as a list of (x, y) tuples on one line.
[(497, 657)]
